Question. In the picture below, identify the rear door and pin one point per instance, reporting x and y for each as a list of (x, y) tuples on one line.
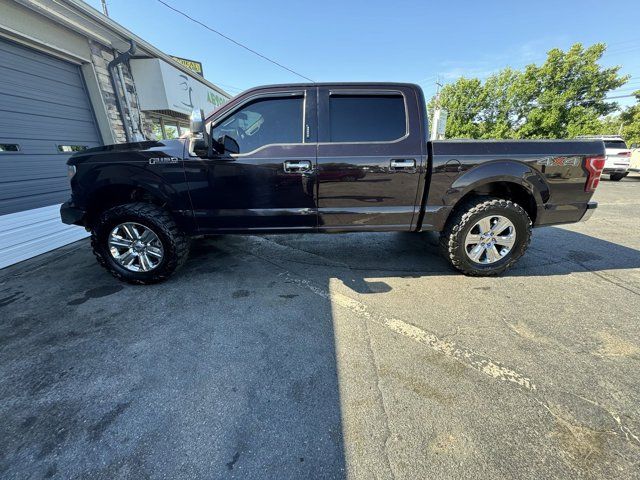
[(270, 184), (369, 157)]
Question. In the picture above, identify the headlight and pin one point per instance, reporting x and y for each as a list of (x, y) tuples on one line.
[(71, 171)]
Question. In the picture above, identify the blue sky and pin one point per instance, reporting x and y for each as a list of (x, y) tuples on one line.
[(413, 41)]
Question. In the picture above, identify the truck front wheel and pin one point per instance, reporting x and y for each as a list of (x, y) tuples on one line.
[(139, 243), (485, 236)]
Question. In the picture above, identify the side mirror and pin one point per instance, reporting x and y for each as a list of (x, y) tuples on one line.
[(225, 144), (230, 145), (196, 122)]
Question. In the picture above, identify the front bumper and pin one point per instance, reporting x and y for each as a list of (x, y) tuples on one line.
[(72, 215), (591, 207)]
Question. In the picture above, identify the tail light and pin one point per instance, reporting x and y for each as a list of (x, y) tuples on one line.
[(625, 154), (594, 165)]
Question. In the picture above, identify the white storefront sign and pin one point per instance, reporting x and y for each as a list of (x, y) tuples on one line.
[(161, 86)]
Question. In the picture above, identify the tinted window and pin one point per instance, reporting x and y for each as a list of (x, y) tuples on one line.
[(614, 144), (366, 118), (9, 147), (263, 122), (71, 148)]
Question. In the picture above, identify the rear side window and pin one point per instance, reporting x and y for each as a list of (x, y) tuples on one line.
[(614, 144), (366, 118)]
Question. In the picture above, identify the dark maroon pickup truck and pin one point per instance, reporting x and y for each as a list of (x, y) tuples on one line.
[(343, 157)]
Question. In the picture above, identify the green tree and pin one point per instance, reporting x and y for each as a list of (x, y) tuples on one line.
[(464, 100), (562, 98), (504, 105), (630, 120), (566, 95)]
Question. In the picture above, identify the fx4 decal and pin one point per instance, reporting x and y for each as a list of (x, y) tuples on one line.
[(559, 161)]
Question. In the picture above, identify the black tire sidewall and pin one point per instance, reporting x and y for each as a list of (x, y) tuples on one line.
[(113, 218), (521, 223)]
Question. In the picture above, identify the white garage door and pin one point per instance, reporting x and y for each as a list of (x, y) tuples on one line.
[(44, 114)]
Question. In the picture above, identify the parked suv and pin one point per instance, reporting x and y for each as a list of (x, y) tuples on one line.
[(618, 156)]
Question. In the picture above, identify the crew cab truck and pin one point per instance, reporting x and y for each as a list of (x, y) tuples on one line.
[(343, 157)]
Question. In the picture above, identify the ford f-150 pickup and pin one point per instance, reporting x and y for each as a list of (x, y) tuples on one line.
[(340, 157)]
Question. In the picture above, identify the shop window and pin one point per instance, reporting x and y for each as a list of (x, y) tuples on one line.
[(184, 128), (166, 128), (171, 131), (9, 147), (71, 148), (156, 129)]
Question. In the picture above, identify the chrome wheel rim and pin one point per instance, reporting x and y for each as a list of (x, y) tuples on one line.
[(135, 247), (490, 239)]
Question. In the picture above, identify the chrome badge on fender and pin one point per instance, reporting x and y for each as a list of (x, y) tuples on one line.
[(157, 160), (559, 161)]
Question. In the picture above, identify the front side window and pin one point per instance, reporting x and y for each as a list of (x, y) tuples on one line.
[(263, 122), (366, 118)]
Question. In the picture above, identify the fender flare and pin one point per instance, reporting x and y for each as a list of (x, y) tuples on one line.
[(507, 171)]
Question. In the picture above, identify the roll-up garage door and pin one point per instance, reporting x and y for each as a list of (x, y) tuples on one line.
[(45, 115)]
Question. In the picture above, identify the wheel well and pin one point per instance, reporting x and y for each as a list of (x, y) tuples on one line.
[(114, 195), (507, 191)]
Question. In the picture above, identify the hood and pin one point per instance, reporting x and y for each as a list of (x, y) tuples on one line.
[(125, 149)]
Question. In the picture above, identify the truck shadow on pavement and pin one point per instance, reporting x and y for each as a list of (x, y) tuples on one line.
[(354, 258)]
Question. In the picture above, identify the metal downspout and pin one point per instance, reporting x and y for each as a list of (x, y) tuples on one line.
[(115, 69)]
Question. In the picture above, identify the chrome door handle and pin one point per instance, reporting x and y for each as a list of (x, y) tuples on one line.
[(403, 164), (297, 166)]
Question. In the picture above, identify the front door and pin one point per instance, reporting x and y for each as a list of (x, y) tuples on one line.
[(270, 183), (369, 158)]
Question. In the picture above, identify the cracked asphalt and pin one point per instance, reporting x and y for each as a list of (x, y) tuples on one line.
[(330, 356)]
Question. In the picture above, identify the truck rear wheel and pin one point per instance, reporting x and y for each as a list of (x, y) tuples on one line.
[(485, 236), (616, 177), (139, 243)]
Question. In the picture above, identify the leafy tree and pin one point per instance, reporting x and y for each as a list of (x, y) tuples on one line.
[(626, 123), (564, 97), (630, 119), (464, 100), (567, 93), (504, 105)]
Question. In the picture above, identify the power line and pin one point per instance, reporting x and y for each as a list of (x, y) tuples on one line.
[(233, 41), (479, 110)]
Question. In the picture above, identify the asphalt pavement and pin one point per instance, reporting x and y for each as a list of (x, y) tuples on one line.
[(330, 356)]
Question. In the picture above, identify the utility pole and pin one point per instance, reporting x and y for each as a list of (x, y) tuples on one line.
[(104, 8), (438, 86), (439, 116)]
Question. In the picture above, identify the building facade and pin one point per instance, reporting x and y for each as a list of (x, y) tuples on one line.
[(72, 78)]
